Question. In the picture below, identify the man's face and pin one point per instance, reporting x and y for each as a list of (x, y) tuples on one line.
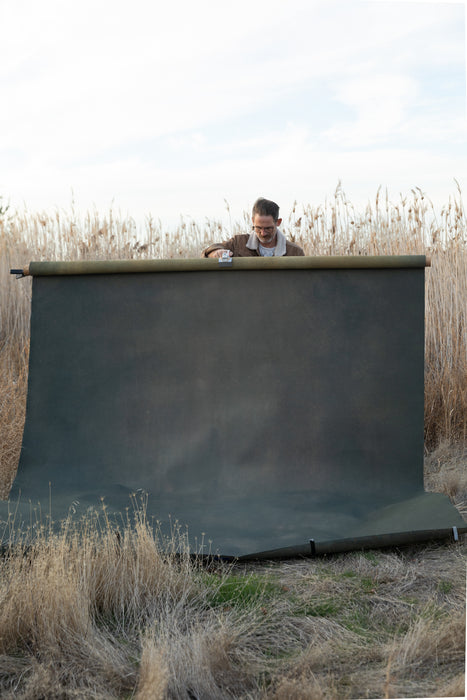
[(265, 229)]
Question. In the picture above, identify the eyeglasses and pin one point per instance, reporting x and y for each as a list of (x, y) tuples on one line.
[(264, 229)]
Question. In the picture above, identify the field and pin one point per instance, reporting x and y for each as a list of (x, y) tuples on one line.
[(85, 615)]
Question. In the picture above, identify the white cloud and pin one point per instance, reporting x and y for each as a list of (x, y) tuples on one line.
[(84, 83), (284, 166), (379, 104)]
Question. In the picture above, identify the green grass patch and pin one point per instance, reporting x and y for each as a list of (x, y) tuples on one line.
[(328, 607), (358, 619), (445, 586), (371, 557), (410, 599), (434, 612), (240, 591), (352, 588), (368, 585), (348, 574)]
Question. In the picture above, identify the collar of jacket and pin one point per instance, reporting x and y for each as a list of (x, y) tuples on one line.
[(253, 243)]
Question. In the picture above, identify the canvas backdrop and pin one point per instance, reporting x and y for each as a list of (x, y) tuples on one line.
[(262, 405)]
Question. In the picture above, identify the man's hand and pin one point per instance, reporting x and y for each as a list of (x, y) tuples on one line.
[(218, 253)]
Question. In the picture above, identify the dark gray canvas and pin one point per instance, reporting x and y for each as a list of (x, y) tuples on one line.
[(263, 407)]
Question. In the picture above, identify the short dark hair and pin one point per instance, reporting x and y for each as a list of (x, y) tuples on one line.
[(265, 207)]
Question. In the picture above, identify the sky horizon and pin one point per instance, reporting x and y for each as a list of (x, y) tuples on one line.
[(173, 111)]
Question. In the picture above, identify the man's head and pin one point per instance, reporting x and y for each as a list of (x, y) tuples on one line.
[(265, 217)]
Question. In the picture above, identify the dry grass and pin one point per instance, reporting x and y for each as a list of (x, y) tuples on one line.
[(398, 626), (446, 472), (87, 614), (12, 415)]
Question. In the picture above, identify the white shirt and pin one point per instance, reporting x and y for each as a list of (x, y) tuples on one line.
[(266, 252)]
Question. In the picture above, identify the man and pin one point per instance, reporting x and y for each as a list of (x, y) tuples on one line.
[(265, 240)]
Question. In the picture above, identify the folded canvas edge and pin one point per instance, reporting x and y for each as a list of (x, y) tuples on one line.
[(318, 548)]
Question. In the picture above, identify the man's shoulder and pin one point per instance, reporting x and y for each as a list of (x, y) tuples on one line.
[(238, 245), (293, 248), (239, 242)]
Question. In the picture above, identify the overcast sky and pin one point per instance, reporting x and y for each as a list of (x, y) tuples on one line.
[(170, 108)]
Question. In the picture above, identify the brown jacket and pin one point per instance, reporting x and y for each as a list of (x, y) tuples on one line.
[(246, 245)]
